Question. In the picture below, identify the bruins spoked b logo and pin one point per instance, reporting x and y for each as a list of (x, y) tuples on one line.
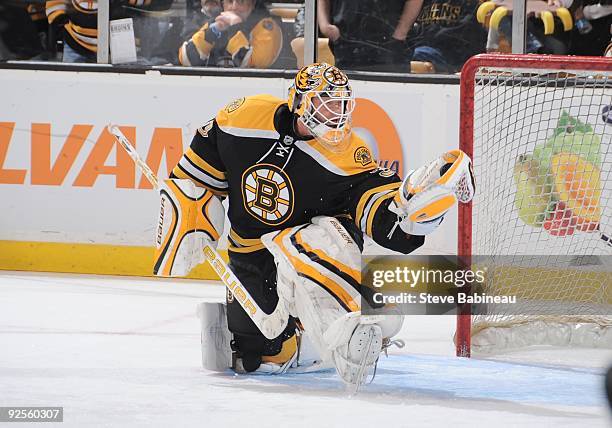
[(267, 194)]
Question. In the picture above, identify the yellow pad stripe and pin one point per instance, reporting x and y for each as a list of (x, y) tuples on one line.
[(353, 273), (330, 284)]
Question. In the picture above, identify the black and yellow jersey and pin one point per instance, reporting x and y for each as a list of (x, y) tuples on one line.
[(255, 43), (79, 18), (37, 15), (276, 179)]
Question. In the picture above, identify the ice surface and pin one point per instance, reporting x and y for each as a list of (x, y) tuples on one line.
[(126, 352)]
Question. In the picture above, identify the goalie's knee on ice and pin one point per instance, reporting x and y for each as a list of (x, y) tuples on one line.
[(252, 351), (246, 352)]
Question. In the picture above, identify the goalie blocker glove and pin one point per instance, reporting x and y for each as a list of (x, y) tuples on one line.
[(427, 193)]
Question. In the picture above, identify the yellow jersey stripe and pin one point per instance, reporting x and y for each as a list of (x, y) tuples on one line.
[(246, 245), (197, 160), (367, 195), (92, 7), (243, 241), (372, 213), (77, 38), (179, 173), (91, 32)]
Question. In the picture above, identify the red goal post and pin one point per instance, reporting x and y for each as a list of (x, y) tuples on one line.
[(493, 85)]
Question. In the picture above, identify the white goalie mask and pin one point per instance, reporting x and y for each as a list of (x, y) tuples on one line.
[(322, 98)]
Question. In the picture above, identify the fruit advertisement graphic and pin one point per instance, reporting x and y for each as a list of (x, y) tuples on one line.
[(558, 185)]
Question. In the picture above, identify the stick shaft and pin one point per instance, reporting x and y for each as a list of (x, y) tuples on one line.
[(129, 148)]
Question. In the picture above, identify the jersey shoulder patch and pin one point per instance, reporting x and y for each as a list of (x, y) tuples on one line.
[(249, 113), (362, 155), (234, 105)]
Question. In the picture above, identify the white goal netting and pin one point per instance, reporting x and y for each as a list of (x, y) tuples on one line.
[(542, 218)]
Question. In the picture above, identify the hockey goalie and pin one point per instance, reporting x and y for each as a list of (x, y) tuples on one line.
[(302, 191)]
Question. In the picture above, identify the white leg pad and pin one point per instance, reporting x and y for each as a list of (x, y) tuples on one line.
[(317, 310), (392, 321), (215, 336)]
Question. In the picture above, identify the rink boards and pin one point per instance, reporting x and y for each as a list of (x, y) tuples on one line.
[(73, 202)]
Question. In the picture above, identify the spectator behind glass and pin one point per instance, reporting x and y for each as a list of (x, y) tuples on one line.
[(447, 34), (537, 41), (588, 30), (593, 26), (204, 12), (36, 9), (19, 36), (243, 35), (181, 27), (299, 23), (369, 35), (77, 23)]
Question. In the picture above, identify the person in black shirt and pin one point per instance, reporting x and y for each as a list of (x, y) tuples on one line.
[(369, 35), (447, 34)]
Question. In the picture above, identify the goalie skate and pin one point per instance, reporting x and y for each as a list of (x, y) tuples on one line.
[(355, 360)]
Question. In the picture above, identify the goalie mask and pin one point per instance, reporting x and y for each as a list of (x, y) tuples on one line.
[(322, 98)]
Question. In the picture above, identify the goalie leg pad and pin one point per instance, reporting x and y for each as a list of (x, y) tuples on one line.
[(189, 218), (215, 336), (319, 274), (325, 254), (295, 354)]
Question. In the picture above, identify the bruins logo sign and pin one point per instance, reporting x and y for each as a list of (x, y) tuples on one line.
[(234, 105), (362, 155), (267, 194)]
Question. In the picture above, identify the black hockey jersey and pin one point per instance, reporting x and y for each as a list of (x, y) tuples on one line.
[(276, 179), (79, 18), (451, 27)]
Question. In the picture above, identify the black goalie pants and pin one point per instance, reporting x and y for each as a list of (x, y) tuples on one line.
[(257, 273)]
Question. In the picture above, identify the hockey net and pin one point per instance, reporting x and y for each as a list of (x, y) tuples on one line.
[(539, 130)]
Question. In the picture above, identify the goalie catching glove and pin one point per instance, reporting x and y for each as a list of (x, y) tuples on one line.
[(190, 217), (427, 193)]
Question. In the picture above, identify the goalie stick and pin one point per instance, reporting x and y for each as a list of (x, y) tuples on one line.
[(270, 325)]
